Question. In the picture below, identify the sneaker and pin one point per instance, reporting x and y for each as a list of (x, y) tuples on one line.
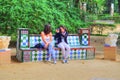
[(49, 59), (55, 62), (66, 61), (63, 61)]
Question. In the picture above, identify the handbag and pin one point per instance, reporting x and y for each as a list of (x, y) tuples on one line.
[(39, 45)]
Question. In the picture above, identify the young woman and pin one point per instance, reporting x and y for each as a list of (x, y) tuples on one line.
[(47, 42), (61, 42)]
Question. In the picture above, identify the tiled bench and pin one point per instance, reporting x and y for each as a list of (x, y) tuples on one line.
[(25, 53)]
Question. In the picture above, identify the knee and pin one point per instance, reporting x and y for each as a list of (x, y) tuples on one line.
[(62, 48), (43, 44), (68, 48), (50, 45), (53, 52)]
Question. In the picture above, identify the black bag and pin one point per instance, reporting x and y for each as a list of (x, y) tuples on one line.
[(39, 45)]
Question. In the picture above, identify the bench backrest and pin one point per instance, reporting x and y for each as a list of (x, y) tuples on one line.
[(73, 40), (34, 39)]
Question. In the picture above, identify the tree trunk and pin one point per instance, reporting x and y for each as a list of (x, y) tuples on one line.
[(108, 3), (119, 6), (76, 3)]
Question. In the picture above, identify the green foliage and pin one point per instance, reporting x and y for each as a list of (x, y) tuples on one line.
[(116, 17), (91, 17), (34, 14), (98, 35)]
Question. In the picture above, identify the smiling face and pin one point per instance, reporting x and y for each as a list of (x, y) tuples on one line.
[(62, 29)]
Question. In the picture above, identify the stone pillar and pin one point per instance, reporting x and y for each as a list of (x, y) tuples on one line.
[(84, 7), (112, 9), (84, 35), (5, 56), (110, 53)]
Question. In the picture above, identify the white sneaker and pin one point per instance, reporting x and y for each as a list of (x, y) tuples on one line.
[(55, 62), (66, 61), (63, 61), (49, 59)]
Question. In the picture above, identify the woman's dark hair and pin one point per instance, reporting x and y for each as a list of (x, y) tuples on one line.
[(63, 28), (47, 29)]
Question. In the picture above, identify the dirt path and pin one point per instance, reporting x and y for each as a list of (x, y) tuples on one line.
[(75, 70)]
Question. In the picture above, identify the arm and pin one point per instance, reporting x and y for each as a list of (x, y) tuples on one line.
[(56, 35), (43, 37), (50, 38), (66, 34)]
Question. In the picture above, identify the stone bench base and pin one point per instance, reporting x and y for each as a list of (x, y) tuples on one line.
[(5, 56), (33, 54)]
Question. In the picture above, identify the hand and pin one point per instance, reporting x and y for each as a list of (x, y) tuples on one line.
[(46, 45), (57, 30)]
